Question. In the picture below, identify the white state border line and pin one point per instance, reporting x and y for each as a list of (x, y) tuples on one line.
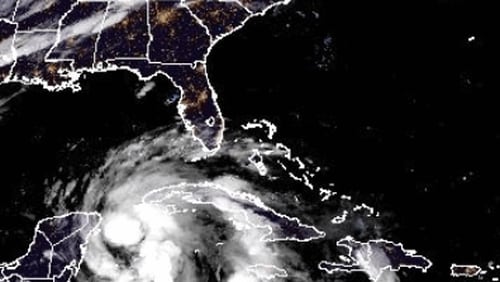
[(14, 13), (148, 22), (14, 264), (58, 37), (74, 75), (12, 50), (105, 17), (10, 19), (41, 30), (49, 270), (185, 6), (98, 38), (183, 3), (198, 20)]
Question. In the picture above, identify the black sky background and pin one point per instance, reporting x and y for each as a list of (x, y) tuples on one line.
[(391, 96)]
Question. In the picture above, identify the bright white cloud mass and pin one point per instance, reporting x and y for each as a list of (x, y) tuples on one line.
[(170, 215)]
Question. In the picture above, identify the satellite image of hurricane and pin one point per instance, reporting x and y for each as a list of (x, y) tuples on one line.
[(248, 141)]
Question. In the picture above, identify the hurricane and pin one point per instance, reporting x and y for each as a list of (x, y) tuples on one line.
[(174, 212)]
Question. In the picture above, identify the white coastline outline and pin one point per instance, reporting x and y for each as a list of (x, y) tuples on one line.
[(74, 75), (457, 274), (76, 266), (357, 267), (242, 196), (279, 272)]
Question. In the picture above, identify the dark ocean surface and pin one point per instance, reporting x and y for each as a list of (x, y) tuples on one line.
[(395, 99)]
